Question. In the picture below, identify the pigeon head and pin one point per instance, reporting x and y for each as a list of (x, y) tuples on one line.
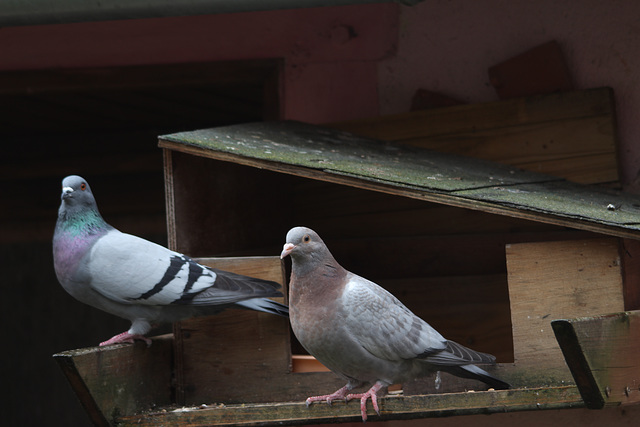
[(76, 192), (301, 243), (307, 250), (78, 207)]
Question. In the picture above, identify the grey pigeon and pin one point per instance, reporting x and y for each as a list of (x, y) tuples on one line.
[(139, 280), (362, 332)]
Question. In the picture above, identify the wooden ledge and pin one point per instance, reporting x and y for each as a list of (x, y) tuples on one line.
[(391, 408)]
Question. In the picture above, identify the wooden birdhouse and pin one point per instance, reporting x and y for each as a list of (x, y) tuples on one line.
[(488, 253)]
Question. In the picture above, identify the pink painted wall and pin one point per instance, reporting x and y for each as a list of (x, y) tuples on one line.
[(330, 54), (448, 45)]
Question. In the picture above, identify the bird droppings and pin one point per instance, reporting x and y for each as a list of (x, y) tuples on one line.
[(195, 408)]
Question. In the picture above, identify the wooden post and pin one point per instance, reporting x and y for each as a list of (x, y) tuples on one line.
[(121, 379), (603, 355)]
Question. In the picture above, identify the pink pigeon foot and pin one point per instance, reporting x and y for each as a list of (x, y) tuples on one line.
[(371, 393), (126, 337), (338, 395)]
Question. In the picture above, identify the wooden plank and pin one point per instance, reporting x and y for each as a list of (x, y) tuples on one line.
[(631, 268), (581, 150), (570, 135), (120, 380), (539, 70), (492, 115), (551, 280), (313, 152), (602, 353), (391, 408), (234, 355)]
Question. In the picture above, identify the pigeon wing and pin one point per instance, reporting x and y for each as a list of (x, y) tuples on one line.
[(383, 325), (131, 270)]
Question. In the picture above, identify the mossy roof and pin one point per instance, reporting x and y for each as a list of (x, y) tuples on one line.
[(321, 153)]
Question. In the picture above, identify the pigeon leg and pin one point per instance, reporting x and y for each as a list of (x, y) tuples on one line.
[(340, 394), (126, 337), (371, 393)]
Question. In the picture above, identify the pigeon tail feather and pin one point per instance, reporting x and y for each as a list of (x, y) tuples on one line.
[(265, 305), (475, 373)]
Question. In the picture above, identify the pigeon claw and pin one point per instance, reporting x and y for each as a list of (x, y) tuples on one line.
[(126, 337), (343, 393), (337, 395), (371, 393)]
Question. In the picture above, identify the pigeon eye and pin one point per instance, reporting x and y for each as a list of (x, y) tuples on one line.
[(83, 186), (306, 238)]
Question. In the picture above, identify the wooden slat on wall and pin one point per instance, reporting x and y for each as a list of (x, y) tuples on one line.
[(552, 280), (234, 355), (570, 135)]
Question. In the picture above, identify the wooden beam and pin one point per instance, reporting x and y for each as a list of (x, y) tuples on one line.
[(391, 408), (602, 354), (121, 379)]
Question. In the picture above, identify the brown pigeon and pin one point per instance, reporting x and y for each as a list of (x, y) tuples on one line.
[(363, 333)]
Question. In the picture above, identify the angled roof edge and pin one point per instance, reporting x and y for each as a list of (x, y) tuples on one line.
[(45, 12), (317, 152)]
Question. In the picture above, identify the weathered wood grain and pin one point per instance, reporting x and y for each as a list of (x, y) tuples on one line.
[(391, 408), (540, 70), (603, 355), (234, 355), (552, 280), (321, 154), (570, 134), (120, 380)]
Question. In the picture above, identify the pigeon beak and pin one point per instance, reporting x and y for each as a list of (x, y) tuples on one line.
[(66, 192), (286, 250)]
